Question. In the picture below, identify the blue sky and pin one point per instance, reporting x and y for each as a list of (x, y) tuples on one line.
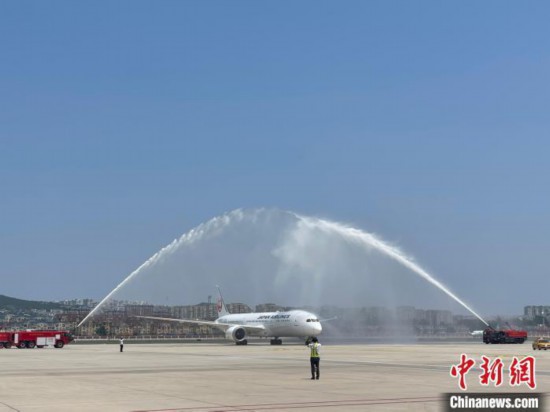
[(123, 125)]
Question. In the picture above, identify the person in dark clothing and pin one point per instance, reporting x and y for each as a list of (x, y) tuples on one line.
[(122, 344)]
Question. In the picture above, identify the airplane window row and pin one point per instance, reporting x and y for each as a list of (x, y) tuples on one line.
[(312, 320)]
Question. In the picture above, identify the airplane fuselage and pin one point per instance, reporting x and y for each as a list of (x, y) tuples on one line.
[(237, 326), (294, 323)]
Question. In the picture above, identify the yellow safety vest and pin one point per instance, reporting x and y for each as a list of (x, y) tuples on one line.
[(314, 353)]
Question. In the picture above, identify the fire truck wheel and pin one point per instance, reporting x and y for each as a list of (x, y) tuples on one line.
[(59, 344), (7, 345), (31, 344), (22, 345)]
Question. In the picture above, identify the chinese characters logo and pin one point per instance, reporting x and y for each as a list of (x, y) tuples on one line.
[(521, 371)]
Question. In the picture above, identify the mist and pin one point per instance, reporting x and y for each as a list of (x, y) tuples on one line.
[(269, 255)]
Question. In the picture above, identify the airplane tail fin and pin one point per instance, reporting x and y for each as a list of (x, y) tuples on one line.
[(222, 310)]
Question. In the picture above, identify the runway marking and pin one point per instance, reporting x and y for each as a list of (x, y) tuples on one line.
[(10, 407), (299, 405)]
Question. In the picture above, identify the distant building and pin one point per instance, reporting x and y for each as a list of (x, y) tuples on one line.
[(532, 312), (139, 310), (406, 314), (269, 307), (420, 315), (438, 318), (238, 308), (162, 311), (206, 311)]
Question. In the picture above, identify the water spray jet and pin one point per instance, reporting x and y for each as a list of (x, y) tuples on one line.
[(295, 225)]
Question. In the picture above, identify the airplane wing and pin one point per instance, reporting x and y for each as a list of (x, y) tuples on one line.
[(223, 326)]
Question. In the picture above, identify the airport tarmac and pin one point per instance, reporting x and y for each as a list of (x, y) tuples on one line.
[(210, 377)]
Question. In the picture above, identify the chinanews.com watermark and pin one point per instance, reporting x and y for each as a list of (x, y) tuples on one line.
[(461, 402), (520, 372)]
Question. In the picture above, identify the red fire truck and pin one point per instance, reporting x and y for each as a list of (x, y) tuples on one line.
[(491, 335), (35, 338)]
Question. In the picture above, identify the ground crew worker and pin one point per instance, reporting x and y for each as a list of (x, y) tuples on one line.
[(315, 349), (121, 344)]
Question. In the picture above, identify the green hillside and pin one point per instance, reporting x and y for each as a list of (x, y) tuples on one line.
[(13, 304)]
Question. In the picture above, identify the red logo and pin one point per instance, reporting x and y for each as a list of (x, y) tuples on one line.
[(520, 371), (523, 371), (462, 369), (492, 371)]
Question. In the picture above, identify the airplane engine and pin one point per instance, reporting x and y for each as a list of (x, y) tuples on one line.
[(237, 333)]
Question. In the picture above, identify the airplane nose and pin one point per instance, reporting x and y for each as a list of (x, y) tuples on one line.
[(317, 328)]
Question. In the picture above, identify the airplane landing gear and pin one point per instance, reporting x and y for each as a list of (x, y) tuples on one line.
[(276, 341), (241, 342)]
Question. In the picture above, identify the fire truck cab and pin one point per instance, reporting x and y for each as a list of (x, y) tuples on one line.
[(5, 340)]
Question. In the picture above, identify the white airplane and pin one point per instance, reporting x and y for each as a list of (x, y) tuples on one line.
[(293, 323)]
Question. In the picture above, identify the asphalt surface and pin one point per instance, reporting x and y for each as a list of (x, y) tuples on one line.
[(257, 377)]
